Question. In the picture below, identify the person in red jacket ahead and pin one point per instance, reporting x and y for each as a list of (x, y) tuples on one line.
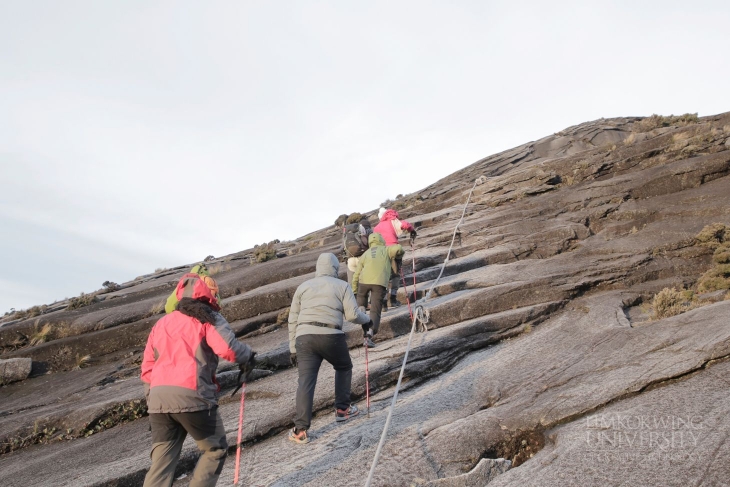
[(178, 371), (391, 228)]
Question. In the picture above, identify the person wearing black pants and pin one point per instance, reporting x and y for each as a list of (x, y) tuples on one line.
[(315, 334), (311, 350), (372, 276)]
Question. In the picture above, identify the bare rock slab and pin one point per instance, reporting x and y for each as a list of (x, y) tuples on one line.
[(484, 472)]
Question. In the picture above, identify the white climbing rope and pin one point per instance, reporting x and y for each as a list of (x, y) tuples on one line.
[(420, 314), (453, 238)]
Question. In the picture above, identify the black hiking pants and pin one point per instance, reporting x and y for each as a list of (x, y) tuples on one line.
[(377, 296), (395, 267), (168, 434), (311, 350)]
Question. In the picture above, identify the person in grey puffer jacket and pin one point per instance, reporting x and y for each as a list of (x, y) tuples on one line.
[(315, 334)]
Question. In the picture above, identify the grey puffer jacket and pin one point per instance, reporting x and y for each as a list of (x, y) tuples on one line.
[(324, 299)]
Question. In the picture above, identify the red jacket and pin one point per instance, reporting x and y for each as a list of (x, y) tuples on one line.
[(181, 358), (390, 227)]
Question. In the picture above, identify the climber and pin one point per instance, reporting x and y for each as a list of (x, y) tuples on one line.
[(199, 270), (372, 276), (178, 371), (391, 228), (355, 242), (315, 334)]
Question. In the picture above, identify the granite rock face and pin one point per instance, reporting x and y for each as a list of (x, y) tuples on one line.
[(15, 369), (541, 365)]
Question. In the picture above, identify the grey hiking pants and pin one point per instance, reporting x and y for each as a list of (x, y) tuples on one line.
[(377, 295), (168, 435), (311, 350)]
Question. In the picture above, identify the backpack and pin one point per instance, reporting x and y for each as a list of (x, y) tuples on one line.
[(355, 239)]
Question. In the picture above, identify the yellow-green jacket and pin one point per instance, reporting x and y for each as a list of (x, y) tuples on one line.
[(374, 265)]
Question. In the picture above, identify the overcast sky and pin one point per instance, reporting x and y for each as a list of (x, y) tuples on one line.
[(136, 135)]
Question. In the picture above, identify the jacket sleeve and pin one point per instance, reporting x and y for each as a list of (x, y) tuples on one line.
[(395, 251), (222, 341), (352, 311), (148, 360), (296, 304), (406, 227), (356, 275)]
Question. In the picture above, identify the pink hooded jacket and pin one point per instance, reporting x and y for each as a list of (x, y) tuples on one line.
[(390, 227)]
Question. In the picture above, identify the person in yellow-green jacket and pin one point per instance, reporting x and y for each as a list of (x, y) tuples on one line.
[(198, 271), (372, 276)]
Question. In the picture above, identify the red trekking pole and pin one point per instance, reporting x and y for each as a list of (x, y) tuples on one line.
[(240, 431), (367, 377)]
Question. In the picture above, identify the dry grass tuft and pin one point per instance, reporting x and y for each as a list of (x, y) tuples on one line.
[(157, 308), (39, 335), (218, 268), (82, 362), (283, 316)]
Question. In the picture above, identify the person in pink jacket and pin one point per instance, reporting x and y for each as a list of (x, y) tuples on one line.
[(392, 228), (178, 372)]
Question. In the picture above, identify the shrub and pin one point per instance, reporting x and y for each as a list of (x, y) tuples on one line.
[(81, 301), (657, 121), (110, 286), (341, 220), (264, 252), (670, 302), (713, 235), (715, 279), (354, 218), (722, 254)]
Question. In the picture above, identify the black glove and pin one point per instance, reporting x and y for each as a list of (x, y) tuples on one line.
[(293, 359), (413, 235), (366, 327), (244, 370)]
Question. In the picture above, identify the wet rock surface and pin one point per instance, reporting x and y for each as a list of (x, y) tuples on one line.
[(542, 363)]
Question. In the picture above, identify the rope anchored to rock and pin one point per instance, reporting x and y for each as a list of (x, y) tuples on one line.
[(419, 315)]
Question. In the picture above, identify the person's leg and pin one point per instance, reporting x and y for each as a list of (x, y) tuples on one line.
[(395, 281), (362, 296), (206, 428), (308, 362), (333, 348), (167, 440), (378, 293)]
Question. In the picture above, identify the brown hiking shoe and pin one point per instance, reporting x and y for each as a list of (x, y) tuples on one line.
[(300, 437)]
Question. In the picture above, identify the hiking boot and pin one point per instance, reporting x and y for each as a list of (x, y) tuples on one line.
[(345, 414), (370, 343), (300, 437), (394, 303)]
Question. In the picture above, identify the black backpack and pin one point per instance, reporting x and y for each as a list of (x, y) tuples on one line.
[(355, 239)]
